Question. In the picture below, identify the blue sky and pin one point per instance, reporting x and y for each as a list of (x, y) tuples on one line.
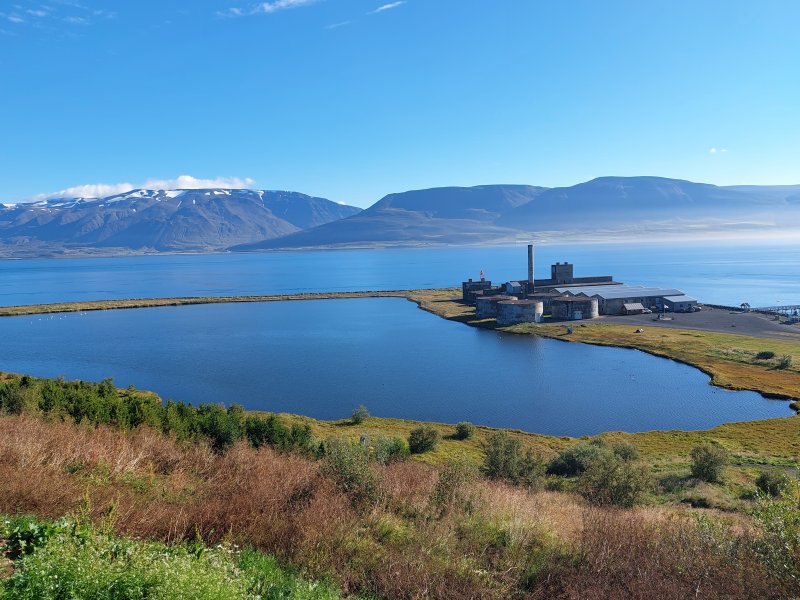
[(354, 99)]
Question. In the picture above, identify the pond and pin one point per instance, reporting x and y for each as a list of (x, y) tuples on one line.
[(323, 358)]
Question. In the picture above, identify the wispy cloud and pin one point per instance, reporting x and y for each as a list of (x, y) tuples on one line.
[(183, 182), (717, 150), (337, 25), (386, 7), (47, 15), (265, 8)]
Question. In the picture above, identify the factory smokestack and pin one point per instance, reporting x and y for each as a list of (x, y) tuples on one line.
[(530, 268)]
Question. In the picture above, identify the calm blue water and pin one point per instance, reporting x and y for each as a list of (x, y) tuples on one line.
[(762, 275), (324, 358)]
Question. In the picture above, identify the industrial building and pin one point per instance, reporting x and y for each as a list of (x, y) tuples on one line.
[(612, 299), (566, 297), (575, 308), (512, 312), (486, 306)]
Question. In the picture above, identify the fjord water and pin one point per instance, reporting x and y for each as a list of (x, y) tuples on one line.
[(325, 357), (763, 275)]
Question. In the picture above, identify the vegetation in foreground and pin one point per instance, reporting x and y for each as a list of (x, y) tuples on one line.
[(592, 519), (73, 558)]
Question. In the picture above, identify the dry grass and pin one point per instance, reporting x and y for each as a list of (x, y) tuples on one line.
[(495, 542)]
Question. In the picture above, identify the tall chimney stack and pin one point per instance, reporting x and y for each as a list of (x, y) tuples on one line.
[(530, 268)]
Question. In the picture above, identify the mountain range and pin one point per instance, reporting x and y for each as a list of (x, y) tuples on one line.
[(247, 220), (160, 221)]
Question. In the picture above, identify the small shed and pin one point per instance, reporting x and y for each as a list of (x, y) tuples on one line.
[(633, 308), (514, 288)]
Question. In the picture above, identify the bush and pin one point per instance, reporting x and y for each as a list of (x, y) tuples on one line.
[(772, 483), (784, 362), (504, 459), (347, 463), (387, 450), (709, 461), (612, 480), (626, 451), (779, 521), (359, 415), (464, 431), (576, 459), (765, 355), (454, 477), (423, 439)]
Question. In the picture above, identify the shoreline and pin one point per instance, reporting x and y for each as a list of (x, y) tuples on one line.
[(727, 358)]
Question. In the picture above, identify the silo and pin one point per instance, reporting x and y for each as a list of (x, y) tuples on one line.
[(511, 312), (486, 307), (575, 308), (545, 298)]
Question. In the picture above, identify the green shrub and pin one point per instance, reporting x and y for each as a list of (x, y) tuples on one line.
[(576, 459), (784, 362), (386, 450), (504, 459), (772, 483), (359, 415), (765, 355), (222, 427), (423, 439), (779, 522), (611, 480), (626, 450), (347, 463), (709, 461), (452, 483), (464, 431)]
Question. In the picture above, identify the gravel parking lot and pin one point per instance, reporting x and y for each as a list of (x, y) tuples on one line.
[(715, 319)]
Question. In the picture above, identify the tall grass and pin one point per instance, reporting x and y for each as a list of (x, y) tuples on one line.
[(418, 533)]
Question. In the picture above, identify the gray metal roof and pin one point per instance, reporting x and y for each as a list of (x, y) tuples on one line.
[(683, 298), (617, 292)]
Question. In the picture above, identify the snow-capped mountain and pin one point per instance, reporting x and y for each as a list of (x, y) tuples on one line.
[(161, 220)]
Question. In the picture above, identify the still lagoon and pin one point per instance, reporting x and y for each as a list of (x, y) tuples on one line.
[(324, 358)]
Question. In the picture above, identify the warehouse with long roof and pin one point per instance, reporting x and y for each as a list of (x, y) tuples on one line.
[(612, 299)]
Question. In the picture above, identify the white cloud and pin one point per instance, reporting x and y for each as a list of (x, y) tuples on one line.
[(337, 25), (15, 19), (183, 182), (717, 150), (264, 8), (712, 151), (389, 6)]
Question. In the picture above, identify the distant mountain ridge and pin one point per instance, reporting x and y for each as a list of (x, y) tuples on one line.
[(607, 207), (162, 220), (450, 215)]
